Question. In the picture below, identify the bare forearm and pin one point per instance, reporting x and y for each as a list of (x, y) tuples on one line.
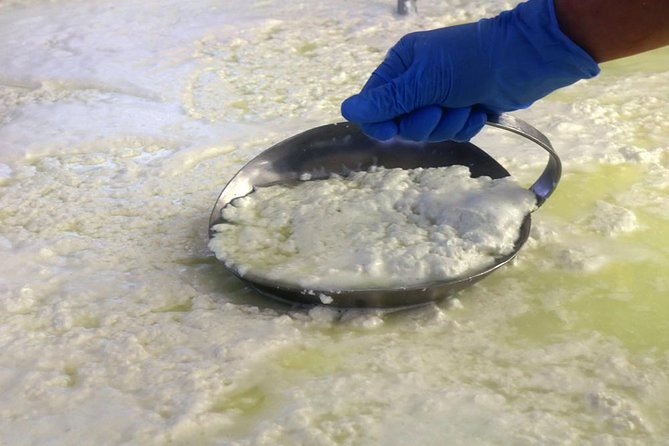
[(611, 29)]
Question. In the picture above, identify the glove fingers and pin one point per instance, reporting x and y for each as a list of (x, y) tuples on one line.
[(452, 121), (380, 130), (382, 103), (375, 80), (391, 67), (475, 122), (420, 123), (430, 124)]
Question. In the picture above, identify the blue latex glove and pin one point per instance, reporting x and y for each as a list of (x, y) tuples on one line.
[(442, 84)]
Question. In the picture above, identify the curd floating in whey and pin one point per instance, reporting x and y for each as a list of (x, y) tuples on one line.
[(382, 228)]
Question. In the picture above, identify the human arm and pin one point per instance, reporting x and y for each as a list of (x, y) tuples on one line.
[(442, 84), (611, 29)]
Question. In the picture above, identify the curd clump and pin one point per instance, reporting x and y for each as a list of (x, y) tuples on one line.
[(381, 228)]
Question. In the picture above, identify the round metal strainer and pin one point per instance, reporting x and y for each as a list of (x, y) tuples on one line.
[(342, 148)]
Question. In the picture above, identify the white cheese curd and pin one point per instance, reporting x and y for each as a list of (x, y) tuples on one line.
[(382, 228)]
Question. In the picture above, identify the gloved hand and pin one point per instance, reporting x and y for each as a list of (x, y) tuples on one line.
[(441, 84)]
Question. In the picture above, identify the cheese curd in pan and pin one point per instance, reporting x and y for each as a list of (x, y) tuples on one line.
[(382, 228)]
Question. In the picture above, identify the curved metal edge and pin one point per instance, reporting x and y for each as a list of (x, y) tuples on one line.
[(215, 215), (544, 186)]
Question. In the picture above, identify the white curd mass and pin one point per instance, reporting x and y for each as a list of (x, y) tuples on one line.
[(384, 228), (120, 122)]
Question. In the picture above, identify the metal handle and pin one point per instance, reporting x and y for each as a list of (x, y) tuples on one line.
[(544, 186)]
